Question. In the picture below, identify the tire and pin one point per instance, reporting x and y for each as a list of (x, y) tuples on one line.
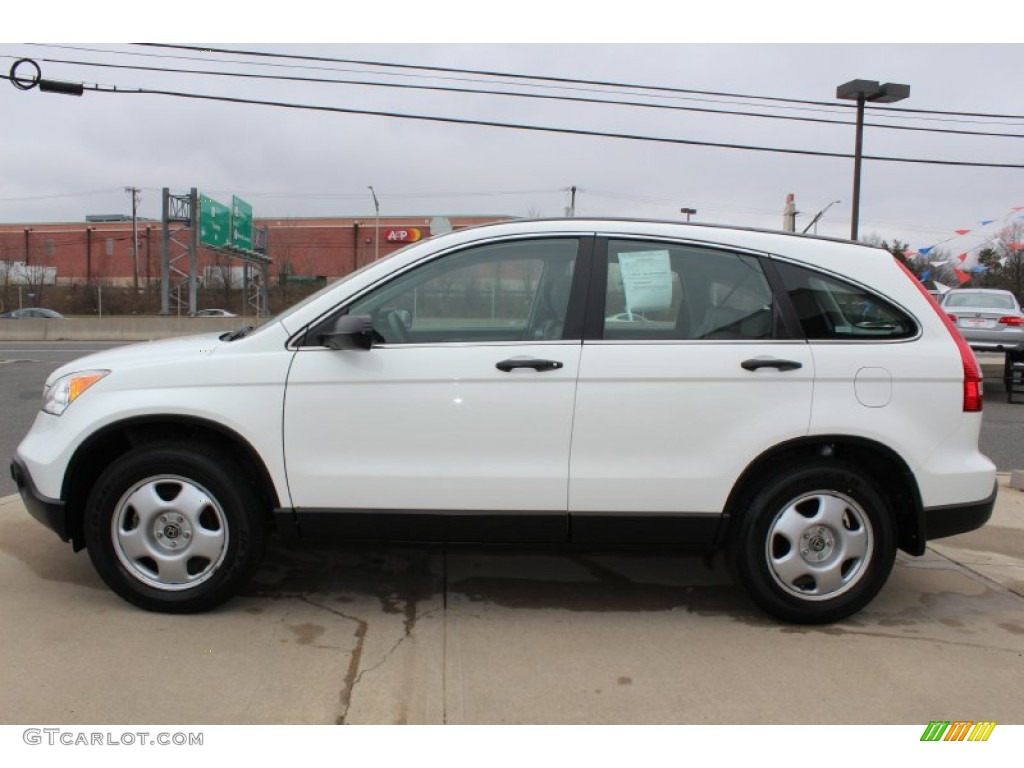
[(174, 528), (815, 545)]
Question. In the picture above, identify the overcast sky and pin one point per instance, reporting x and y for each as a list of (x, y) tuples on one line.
[(64, 157)]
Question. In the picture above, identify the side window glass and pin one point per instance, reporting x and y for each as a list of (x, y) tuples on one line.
[(660, 291), (503, 292), (829, 308)]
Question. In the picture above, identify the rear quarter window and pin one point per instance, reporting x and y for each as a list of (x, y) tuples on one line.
[(829, 308)]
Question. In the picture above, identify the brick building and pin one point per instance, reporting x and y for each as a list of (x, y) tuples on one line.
[(101, 250)]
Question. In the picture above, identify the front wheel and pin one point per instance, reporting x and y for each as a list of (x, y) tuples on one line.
[(175, 529), (815, 545)]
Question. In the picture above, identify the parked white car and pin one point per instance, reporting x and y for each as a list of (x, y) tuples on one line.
[(798, 402)]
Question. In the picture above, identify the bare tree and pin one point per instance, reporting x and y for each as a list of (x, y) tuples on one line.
[(1004, 262)]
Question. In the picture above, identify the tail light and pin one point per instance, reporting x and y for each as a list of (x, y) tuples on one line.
[(974, 396), (1011, 320), (953, 318)]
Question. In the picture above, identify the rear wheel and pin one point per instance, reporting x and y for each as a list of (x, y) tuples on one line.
[(815, 545), (174, 528)]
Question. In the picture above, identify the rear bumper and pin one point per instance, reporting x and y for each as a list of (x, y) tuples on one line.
[(993, 341), (52, 513), (940, 522)]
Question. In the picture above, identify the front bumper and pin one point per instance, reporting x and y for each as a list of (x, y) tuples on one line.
[(53, 513)]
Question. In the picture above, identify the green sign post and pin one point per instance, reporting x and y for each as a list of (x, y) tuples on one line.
[(241, 224), (214, 223)]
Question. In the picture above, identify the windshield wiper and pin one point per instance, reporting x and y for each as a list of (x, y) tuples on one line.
[(237, 333)]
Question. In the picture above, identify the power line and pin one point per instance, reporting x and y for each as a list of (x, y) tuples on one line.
[(110, 190), (544, 129), (481, 72), (548, 78), (827, 108), (547, 97), (548, 129)]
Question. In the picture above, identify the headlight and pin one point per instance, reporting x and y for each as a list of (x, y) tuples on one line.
[(65, 390)]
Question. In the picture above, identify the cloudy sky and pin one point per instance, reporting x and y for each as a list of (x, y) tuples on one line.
[(63, 157)]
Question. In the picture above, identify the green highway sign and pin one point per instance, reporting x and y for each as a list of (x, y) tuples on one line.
[(241, 224), (214, 223)]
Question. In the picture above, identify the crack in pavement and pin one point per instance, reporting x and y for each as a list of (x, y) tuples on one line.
[(391, 651), (345, 695), (992, 584)]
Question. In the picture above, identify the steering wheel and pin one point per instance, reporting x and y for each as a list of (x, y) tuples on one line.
[(396, 331)]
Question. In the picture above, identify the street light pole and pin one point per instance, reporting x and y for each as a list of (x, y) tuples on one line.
[(376, 226), (817, 216), (863, 91), (689, 212)]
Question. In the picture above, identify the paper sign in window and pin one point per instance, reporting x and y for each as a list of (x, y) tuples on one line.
[(646, 280)]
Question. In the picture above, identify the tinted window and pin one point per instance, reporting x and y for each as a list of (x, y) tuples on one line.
[(659, 291), (829, 308), (503, 292)]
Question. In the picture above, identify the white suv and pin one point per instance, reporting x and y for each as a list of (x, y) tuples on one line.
[(798, 402)]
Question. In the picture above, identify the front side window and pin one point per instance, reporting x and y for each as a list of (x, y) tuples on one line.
[(515, 291), (662, 291), (830, 308)]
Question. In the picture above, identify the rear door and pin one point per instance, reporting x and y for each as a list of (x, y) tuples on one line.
[(688, 373)]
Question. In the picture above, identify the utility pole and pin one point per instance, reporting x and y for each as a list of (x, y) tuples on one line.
[(572, 202), (376, 226), (135, 234), (88, 255), (789, 214)]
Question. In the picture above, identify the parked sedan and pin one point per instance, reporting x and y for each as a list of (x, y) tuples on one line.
[(27, 312), (988, 318), (214, 313)]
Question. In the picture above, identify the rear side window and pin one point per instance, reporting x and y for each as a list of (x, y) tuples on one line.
[(829, 308), (666, 291)]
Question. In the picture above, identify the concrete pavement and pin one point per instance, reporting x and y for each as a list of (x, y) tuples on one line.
[(420, 635)]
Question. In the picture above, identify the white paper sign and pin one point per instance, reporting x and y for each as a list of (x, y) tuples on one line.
[(646, 280)]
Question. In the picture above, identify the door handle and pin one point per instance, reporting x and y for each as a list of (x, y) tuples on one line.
[(771, 362), (528, 362)]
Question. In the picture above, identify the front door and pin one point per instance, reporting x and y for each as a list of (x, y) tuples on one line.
[(465, 405)]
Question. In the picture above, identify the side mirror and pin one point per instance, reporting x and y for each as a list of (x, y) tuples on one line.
[(350, 332)]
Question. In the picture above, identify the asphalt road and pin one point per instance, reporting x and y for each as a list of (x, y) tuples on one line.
[(24, 367)]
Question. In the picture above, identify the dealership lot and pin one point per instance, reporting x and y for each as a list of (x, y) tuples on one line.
[(420, 635)]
